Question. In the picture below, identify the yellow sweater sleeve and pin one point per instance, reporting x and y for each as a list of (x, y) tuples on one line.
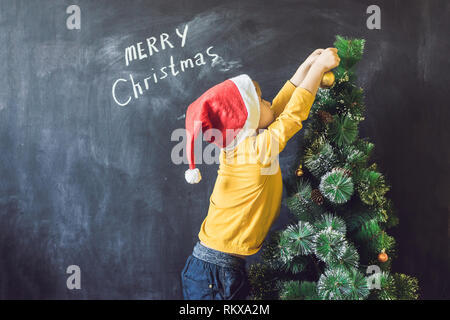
[(282, 98), (271, 142)]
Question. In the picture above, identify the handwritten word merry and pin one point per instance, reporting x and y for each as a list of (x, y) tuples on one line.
[(139, 51), (124, 89)]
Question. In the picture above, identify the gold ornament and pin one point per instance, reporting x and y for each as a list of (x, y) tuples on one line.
[(382, 256), (327, 80), (299, 171)]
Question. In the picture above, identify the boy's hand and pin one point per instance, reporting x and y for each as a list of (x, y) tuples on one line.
[(312, 57), (327, 60), (303, 69)]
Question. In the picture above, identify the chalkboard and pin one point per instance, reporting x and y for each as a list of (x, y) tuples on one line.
[(86, 174)]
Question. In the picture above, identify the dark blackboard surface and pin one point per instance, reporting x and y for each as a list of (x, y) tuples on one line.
[(84, 181)]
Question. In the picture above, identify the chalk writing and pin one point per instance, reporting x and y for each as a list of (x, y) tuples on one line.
[(144, 50)]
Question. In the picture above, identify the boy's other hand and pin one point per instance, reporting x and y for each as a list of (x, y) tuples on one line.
[(313, 57), (328, 59), (303, 69)]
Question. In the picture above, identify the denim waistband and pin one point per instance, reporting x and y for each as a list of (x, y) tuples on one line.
[(217, 257)]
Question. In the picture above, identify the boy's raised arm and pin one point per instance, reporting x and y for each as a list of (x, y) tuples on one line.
[(273, 140), (283, 96)]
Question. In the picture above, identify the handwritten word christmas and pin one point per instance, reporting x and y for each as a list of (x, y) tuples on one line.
[(125, 89)]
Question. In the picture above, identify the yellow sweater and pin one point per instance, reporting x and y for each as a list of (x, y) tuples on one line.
[(247, 195)]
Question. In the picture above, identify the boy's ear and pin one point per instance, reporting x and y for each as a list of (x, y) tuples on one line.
[(257, 87)]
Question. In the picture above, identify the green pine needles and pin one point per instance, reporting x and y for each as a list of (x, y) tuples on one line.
[(336, 186), (298, 238), (337, 246), (342, 284), (319, 157), (330, 245), (343, 130)]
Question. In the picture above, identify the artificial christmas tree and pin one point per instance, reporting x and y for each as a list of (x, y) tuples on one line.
[(340, 207)]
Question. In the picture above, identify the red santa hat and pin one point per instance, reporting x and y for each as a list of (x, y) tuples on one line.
[(232, 104)]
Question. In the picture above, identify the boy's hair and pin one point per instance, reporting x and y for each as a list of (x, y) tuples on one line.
[(257, 87)]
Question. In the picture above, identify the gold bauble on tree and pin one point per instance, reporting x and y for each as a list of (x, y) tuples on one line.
[(327, 80), (299, 171), (383, 257)]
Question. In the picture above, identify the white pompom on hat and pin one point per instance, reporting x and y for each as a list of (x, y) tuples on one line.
[(231, 104), (193, 176)]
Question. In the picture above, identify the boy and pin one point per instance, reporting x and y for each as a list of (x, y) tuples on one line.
[(247, 194)]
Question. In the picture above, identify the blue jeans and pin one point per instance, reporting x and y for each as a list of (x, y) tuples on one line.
[(214, 275)]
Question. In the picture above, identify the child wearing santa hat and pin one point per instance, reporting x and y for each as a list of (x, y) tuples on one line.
[(246, 199)]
